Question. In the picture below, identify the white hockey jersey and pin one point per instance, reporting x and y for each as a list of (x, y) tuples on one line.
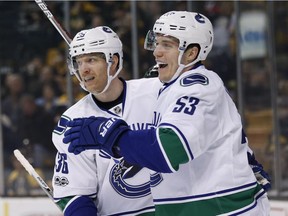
[(215, 178), (119, 188)]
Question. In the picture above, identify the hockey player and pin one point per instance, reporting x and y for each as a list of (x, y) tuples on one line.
[(91, 183), (198, 145)]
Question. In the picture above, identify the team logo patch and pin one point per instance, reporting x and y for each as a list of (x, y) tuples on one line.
[(61, 181), (106, 29), (61, 126), (194, 79), (155, 179), (119, 175), (80, 36), (117, 110), (200, 18)]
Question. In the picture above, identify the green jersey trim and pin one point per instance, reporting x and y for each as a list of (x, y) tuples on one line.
[(173, 147), (63, 202), (241, 201)]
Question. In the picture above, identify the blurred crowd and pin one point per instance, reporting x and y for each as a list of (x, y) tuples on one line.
[(34, 72)]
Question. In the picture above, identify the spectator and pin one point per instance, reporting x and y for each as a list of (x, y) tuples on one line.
[(11, 111), (47, 75), (50, 102), (35, 128)]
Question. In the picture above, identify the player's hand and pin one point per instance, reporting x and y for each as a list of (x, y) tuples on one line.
[(261, 175), (81, 134), (94, 133)]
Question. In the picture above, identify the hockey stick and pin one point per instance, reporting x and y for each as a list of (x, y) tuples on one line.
[(50, 16), (25, 163)]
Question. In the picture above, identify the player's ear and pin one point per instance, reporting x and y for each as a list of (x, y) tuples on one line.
[(191, 53), (115, 63)]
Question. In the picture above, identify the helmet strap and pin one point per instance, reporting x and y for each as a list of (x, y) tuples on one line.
[(110, 77), (75, 72), (181, 67)]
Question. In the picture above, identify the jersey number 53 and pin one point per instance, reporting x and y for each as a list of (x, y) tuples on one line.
[(186, 104)]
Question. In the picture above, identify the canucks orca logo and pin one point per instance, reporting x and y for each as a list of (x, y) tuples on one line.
[(106, 29), (194, 79), (61, 126), (123, 171), (80, 36), (200, 18)]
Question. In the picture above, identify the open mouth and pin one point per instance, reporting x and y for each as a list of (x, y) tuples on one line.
[(88, 79), (162, 65)]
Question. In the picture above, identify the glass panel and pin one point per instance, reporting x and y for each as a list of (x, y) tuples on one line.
[(33, 62), (280, 30)]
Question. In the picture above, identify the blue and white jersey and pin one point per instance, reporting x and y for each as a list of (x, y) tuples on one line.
[(118, 187), (200, 135)]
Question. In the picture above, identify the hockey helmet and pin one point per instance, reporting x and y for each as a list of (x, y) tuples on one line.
[(188, 28), (101, 39)]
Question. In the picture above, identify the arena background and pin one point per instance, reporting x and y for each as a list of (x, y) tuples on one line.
[(250, 54)]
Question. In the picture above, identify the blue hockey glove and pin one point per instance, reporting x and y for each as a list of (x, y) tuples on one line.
[(262, 177), (109, 131), (94, 133), (81, 134)]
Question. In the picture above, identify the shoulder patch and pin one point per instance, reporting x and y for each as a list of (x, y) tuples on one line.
[(194, 79), (61, 126)]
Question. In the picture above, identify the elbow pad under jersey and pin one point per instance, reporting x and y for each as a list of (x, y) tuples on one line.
[(83, 206)]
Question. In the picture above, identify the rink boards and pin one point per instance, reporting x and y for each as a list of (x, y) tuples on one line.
[(45, 207)]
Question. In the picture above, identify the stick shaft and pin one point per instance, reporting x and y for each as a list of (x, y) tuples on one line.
[(50, 16), (25, 163)]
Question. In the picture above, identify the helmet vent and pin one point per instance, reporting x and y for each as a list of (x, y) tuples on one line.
[(97, 43), (80, 38), (174, 27)]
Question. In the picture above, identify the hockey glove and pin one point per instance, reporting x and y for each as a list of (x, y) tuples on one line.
[(80, 134), (94, 133), (262, 177)]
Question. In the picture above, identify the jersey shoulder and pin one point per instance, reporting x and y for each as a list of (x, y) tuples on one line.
[(200, 81), (144, 84), (143, 89), (80, 108)]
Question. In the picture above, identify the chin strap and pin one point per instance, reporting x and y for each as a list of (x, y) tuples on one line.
[(109, 78), (181, 67)]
